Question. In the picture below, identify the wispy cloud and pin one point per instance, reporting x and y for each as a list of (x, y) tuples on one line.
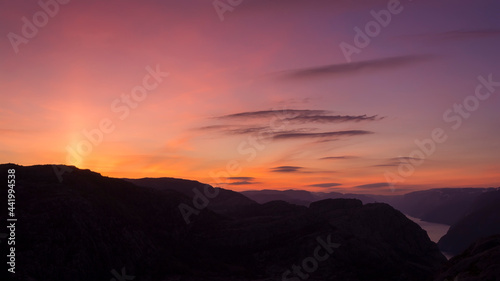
[(373, 185), (286, 169), (300, 122), (353, 67), (395, 161), (286, 113), (333, 118), (242, 183), (322, 135), (242, 180), (455, 35), (338, 157), (326, 184)]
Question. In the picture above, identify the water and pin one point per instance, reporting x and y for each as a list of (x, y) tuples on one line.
[(434, 230)]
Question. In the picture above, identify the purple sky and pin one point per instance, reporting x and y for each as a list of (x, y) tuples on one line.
[(257, 96)]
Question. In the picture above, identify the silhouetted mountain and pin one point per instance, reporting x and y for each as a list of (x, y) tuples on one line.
[(482, 220), (301, 197), (273, 209), (225, 202), (443, 205), (298, 197), (479, 262), (88, 225), (365, 198)]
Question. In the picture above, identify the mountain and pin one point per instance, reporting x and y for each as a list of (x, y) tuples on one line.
[(479, 262), (483, 219), (91, 227), (298, 197), (301, 197), (225, 201), (443, 205)]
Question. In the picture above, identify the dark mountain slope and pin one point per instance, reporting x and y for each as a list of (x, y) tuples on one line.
[(444, 205), (479, 262), (225, 202), (298, 197), (87, 225), (483, 220), (301, 197)]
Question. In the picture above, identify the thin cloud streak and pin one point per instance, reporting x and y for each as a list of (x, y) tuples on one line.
[(348, 68), (333, 119), (338, 157), (373, 185), (456, 35), (286, 169), (271, 113), (322, 135), (328, 184)]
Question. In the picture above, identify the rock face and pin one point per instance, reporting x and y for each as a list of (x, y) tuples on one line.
[(479, 262), (483, 220), (90, 227)]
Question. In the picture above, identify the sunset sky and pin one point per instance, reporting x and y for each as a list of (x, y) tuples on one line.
[(258, 96)]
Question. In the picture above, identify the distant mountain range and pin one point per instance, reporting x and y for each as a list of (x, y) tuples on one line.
[(83, 226), (473, 213), (443, 205)]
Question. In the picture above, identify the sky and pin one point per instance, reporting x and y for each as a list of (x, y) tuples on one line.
[(348, 96)]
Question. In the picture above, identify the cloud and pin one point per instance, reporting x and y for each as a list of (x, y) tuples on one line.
[(458, 35), (300, 124), (286, 169), (373, 185), (241, 180), (284, 113), (321, 135), (401, 159), (298, 116), (338, 157), (327, 184), (216, 127), (333, 118), (396, 161), (466, 34), (245, 130), (242, 183), (353, 67)]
